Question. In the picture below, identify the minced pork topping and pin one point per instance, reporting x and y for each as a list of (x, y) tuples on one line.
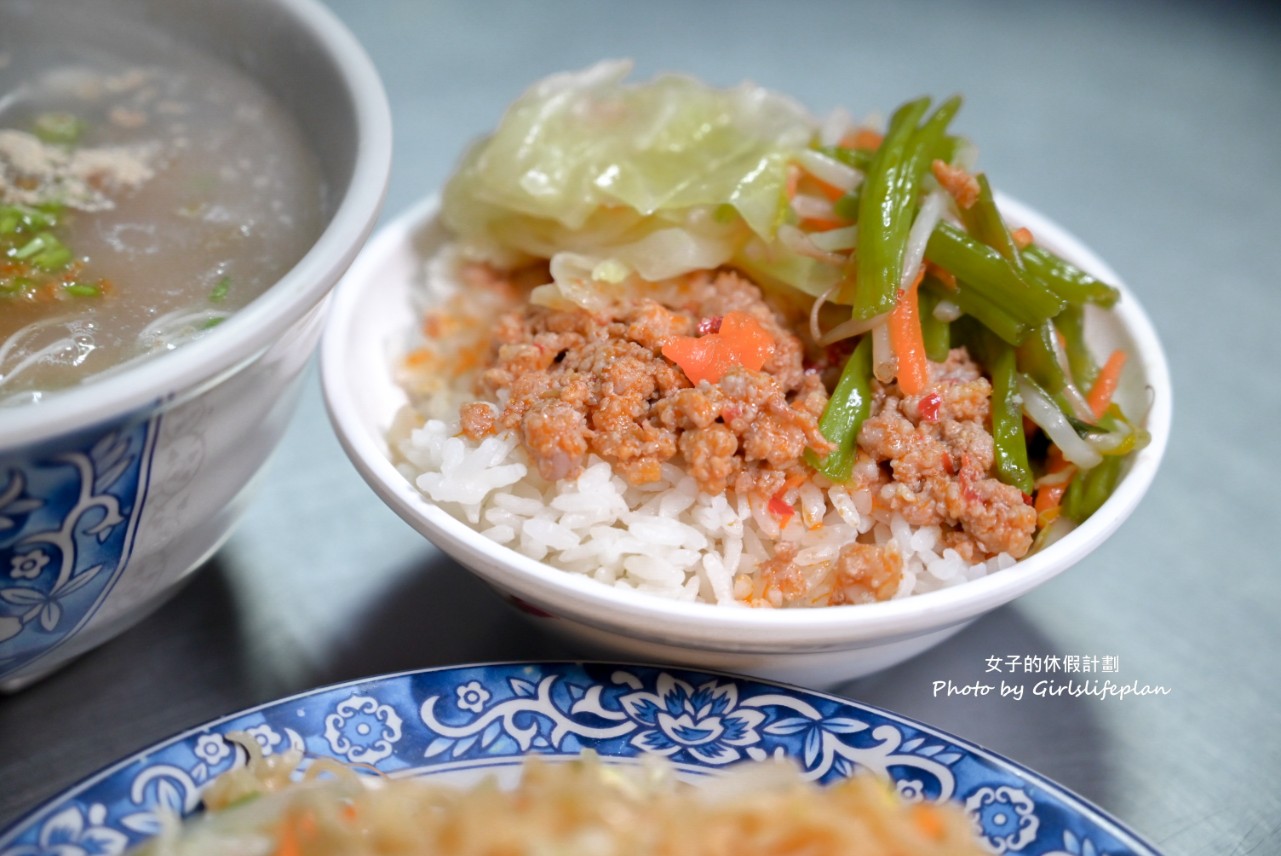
[(940, 451), (575, 382), (571, 383)]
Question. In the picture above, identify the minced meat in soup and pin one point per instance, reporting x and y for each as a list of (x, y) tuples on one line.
[(147, 191)]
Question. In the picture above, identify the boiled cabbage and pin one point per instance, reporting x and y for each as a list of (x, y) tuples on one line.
[(655, 179)]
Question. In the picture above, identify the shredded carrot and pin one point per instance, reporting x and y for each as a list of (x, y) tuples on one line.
[(1049, 496), (822, 224), (418, 356), (829, 191), (795, 177), (942, 274), (801, 182), (287, 841), (793, 180), (1105, 384), (906, 340), (740, 341), (927, 819), (959, 184), (1022, 237), (863, 138)]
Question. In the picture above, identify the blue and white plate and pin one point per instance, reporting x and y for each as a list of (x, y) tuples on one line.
[(470, 721)]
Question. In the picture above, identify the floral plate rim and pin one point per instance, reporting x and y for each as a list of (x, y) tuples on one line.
[(490, 715)]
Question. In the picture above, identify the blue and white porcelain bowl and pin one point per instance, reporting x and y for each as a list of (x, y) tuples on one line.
[(465, 723), (112, 492)]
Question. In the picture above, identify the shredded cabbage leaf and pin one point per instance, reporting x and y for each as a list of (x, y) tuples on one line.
[(657, 179)]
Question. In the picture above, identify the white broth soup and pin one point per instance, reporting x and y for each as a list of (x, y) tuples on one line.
[(147, 191)]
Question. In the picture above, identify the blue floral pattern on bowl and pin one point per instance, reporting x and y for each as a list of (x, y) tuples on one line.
[(489, 717), (67, 525)]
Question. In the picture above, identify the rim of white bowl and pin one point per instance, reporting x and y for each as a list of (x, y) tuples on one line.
[(252, 329), (719, 627)]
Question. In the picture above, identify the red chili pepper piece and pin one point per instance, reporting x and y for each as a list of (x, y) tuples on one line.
[(711, 324), (780, 508), (929, 407)]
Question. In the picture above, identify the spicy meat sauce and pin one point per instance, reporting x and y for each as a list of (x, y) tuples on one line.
[(572, 383), (575, 382)]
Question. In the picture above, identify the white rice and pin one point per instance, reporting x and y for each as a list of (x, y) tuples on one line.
[(666, 538)]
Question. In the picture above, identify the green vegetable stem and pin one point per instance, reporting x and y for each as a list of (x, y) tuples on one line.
[(888, 201), (1007, 419), (849, 406), (984, 269), (983, 220), (1091, 488), (1069, 282), (972, 302), (935, 333)]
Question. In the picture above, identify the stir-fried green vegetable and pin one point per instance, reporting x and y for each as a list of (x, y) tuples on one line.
[(850, 404), (986, 271), (1086, 493), (972, 302), (889, 200), (1007, 421), (1069, 282), (936, 332), (983, 221), (1022, 308), (885, 212)]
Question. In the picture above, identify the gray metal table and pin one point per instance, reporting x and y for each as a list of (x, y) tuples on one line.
[(1148, 129)]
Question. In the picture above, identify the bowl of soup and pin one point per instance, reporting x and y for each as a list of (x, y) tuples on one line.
[(181, 184)]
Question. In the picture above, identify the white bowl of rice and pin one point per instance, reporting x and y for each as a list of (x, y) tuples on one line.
[(650, 574)]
